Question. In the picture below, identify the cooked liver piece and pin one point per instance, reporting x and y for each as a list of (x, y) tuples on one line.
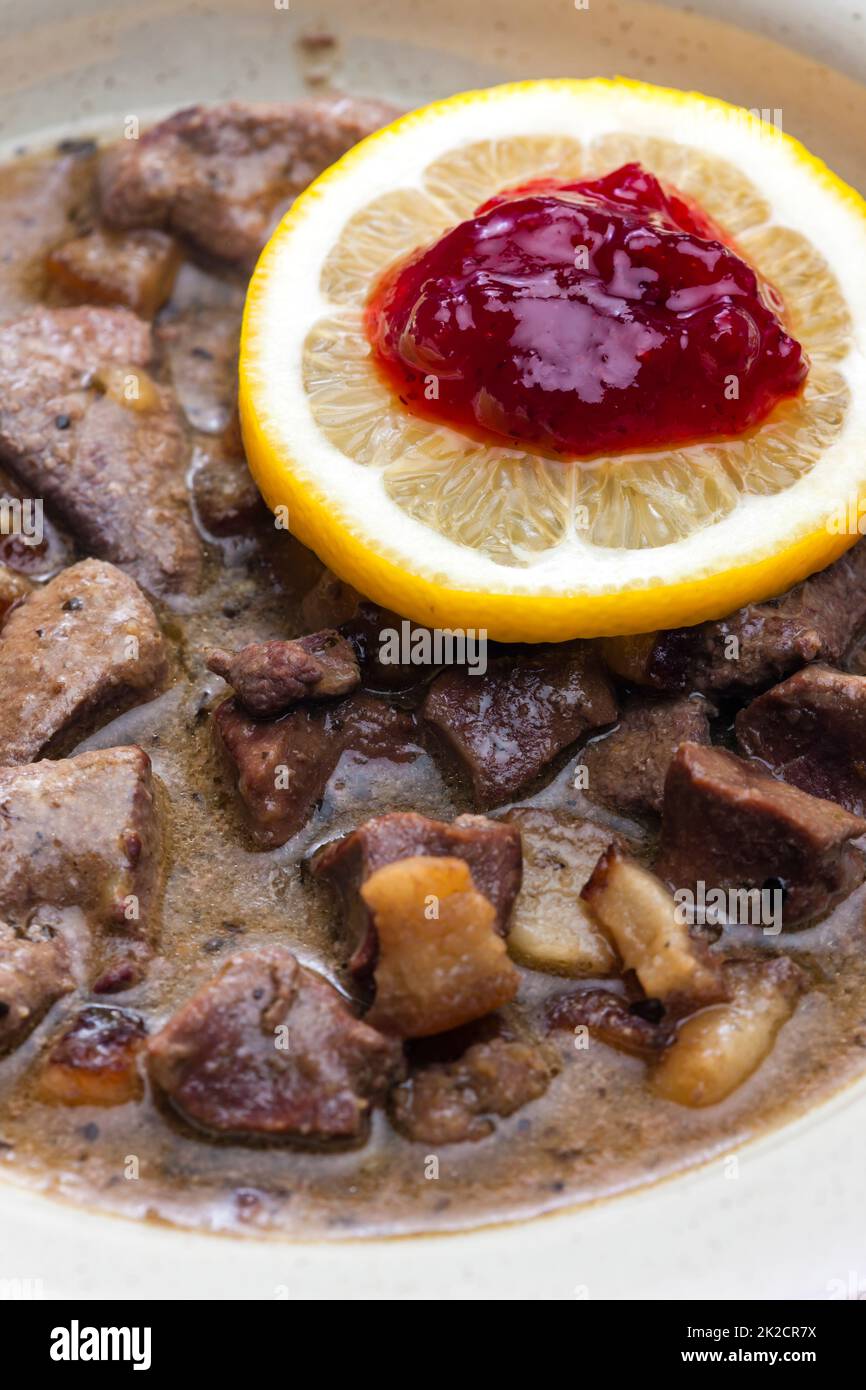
[(815, 621), (269, 1049), (811, 731), (626, 769), (270, 677), (227, 501), (491, 849), (34, 972), (729, 824), (114, 473), (132, 268), (222, 175), (507, 725), (453, 1102), (639, 1028), (94, 1061), (331, 603), (85, 832), (200, 343), (83, 648), (366, 629), (283, 765)]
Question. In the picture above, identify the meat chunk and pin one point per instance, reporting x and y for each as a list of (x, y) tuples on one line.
[(490, 849), (639, 1028), (507, 725), (269, 1049), (223, 175), (454, 1102), (626, 768), (729, 825), (382, 639), (270, 677), (551, 927), (718, 1049), (283, 766), (136, 269), (85, 833), (111, 462), (811, 731), (199, 341), (85, 646), (34, 972), (95, 1060), (330, 603), (227, 501), (440, 961), (759, 644)]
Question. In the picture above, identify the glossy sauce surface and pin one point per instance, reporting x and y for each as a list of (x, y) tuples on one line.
[(583, 318)]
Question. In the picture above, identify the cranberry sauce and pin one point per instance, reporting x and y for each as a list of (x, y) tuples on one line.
[(584, 318)]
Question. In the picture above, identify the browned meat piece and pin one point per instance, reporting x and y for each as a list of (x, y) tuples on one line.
[(269, 1049), (381, 638), (491, 850), (112, 467), (507, 725), (453, 1102), (132, 268), (626, 768), (223, 175), (85, 833), (330, 603), (731, 826), (200, 342), (226, 498), (95, 1060), (440, 961), (283, 766), (34, 971), (85, 646), (42, 202), (269, 677), (811, 731), (640, 1028), (759, 644)]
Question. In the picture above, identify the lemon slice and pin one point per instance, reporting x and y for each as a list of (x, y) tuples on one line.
[(455, 533)]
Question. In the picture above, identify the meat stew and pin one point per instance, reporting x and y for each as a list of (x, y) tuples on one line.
[(295, 940)]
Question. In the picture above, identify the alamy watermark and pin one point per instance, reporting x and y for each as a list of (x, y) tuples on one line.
[(22, 517), (727, 907), (434, 646)]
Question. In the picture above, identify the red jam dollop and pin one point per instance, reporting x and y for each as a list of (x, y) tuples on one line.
[(584, 318)]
